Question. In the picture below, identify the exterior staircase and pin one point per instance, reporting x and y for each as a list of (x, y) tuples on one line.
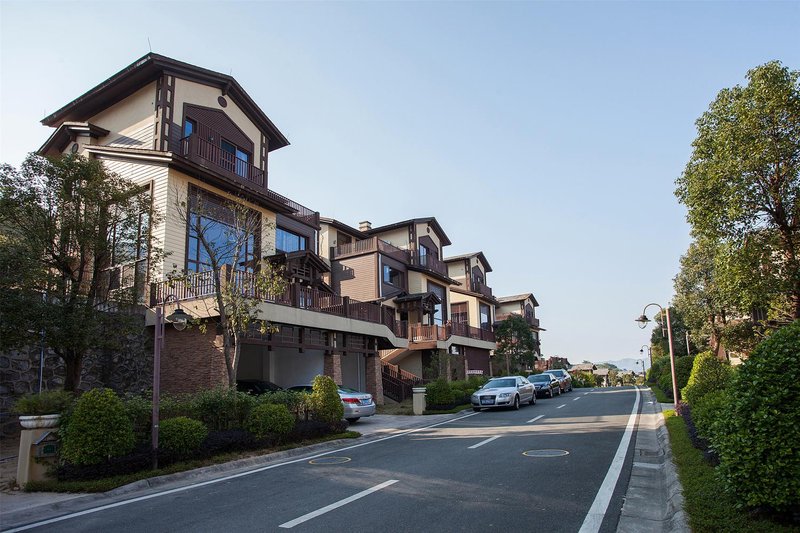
[(397, 383)]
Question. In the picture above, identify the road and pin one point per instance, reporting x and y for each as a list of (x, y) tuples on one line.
[(478, 471)]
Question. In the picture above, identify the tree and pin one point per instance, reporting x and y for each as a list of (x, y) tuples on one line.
[(742, 185), (228, 235), (74, 248), (659, 340), (515, 344)]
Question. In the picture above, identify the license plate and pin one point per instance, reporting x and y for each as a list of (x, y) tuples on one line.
[(487, 401), (364, 402)]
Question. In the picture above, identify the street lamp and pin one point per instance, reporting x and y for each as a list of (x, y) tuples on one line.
[(643, 320), (179, 320), (649, 353)]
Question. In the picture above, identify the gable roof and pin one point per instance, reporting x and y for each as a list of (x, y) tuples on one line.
[(518, 298), (344, 227), (147, 69), (445, 240), (482, 258)]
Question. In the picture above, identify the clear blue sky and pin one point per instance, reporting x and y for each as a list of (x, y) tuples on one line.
[(547, 135)]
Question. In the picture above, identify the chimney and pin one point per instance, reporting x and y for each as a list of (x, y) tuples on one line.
[(365, 225)]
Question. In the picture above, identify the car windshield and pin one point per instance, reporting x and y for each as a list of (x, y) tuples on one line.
[(540, 378), (508, 382)]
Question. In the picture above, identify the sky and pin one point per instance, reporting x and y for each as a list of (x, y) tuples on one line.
[(547, 135)]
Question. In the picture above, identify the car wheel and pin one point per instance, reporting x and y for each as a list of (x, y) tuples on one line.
[(516, 403), (353, 420), (476, 409), (550, 392), (533, 399)]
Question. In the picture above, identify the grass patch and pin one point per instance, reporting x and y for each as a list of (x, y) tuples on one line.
[(106, 484), (405, 407), (661, 397), (708, 507)]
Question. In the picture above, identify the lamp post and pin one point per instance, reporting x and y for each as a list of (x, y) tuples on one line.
[(649, 353), (643, 320), (179, 319)]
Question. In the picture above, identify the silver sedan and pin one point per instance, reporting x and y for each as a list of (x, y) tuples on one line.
[(508, 391)]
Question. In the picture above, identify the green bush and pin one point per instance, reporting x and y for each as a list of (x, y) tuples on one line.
[(325, 403), (439, 393), (181, 435), (222, 408), (139, 410), (44, 403), (98, 429), (660, 367), (709, 374), (267, 418), (758, 445), (683, 369), (707, 413), (584, 380), (295, 402)]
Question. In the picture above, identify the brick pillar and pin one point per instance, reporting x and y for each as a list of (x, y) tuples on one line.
[(192, 361), (333, 367), (374, 378)]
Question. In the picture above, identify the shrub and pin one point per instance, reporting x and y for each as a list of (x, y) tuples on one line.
[(584, 380), (181, 435), (659, 368), (98, 429), (439, 393), (44, 403), (759, 459), (269, 418), (140, 412), (295, 402), (325, 403), (683, 369), (709, 374), (222, 408), (708, 414)]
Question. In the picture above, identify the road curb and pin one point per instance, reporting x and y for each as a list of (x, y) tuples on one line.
[(654, 500)]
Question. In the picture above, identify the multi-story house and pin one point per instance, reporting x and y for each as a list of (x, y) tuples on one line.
[(195, 136), (472, 308), (400, 266), (525, 306)]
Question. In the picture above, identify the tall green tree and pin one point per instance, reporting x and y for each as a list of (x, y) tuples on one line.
[(742, 185), (67, 229), (516, 346)]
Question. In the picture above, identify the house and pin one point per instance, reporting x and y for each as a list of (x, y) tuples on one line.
[(553, 362), (523, 305), (195, 138), (400, 266)]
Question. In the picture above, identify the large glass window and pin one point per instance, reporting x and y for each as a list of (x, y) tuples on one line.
[(438, 314), (221, 234), (286, 241), (234, 158), (486, 317), (392, 276)]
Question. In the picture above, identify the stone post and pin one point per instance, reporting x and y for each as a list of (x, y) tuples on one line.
[(419, 400)]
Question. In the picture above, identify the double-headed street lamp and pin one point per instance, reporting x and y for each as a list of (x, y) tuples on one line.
[(643, 320), (179, 320)]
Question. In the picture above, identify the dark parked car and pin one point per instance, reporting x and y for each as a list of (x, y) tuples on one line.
[(546, 384), (564, 377), (256, 386)]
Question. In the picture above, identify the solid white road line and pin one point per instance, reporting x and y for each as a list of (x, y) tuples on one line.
[(562, 405), (336, 505), (481, 443), (225, 478), (594, 518), (534, 419)]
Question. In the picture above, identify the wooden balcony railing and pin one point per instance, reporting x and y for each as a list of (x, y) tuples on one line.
[(210, 155), (465, 330), (372, 244), (481, 288), (202, 285), (428, 262)]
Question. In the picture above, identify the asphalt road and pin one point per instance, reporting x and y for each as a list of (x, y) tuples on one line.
[(469, 474)]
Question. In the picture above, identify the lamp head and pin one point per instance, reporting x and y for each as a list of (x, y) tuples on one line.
[(179, 319), (643, 320)]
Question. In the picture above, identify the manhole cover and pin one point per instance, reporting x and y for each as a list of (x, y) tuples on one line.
[(545, 453), (329, 460)]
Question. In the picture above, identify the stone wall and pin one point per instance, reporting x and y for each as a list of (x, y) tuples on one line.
[(128, 371)]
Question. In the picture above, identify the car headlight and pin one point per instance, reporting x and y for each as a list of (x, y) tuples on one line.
[(475, 397), (504, 395)]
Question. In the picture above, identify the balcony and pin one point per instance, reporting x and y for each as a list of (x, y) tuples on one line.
[(481, 288), (370, 245), (428, 262), (436, 332), (201, 285)]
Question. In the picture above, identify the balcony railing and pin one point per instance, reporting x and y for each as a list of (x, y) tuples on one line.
[(428, 262), (372, 244), (211, 156), (480, 288), (202, 285), (465, 330), (436, 332)]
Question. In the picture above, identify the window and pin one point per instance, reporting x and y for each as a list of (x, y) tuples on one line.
[(423, 255), (286, 241), (129, 243), (459, 313), (486, 317), (392, 276), (234, 158), (438, 313), (229, 234), (189, 127)]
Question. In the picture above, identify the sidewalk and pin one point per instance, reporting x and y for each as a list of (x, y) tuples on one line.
[(653, 502)]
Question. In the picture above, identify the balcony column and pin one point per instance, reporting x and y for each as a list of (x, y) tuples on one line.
[(374, 378), (333, 367)]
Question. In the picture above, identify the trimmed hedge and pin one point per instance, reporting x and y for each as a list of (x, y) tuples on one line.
[(97, 429), (709, 374), (326, 404), (181, 435), (266, 419), (759, 438)]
